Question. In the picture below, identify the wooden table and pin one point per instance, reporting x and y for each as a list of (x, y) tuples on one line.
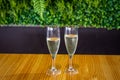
[(34, 67)]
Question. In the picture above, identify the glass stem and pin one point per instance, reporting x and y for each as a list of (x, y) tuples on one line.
[(53, 63), (70, 62)]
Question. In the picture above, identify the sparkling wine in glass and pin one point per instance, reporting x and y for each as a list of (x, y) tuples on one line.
[(53, 42), (71, 40)]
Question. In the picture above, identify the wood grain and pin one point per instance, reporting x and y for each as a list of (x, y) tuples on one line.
[(34, 67)]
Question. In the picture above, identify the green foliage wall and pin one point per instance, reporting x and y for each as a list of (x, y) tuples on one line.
[(87, 13)]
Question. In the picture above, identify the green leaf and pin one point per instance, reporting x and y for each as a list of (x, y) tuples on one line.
[(39, 6)]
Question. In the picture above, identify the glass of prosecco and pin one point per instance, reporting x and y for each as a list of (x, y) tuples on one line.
[(53, 42), (71, 40)]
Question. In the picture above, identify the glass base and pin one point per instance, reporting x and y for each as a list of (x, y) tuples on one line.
[(71, 70), (53, 71)]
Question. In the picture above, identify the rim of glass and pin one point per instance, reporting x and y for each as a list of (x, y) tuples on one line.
[(52, 26), (72, 26)]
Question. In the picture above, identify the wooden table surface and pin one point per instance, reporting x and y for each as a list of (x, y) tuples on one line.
[(34, 67)]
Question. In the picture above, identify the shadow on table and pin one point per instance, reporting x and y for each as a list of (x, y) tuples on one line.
[(84, 73), (76, 77)]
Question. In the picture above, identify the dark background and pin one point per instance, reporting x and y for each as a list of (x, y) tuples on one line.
[(33, 40)]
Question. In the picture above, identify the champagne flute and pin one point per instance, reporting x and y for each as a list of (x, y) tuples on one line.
[(71, 40), (53, 42)]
